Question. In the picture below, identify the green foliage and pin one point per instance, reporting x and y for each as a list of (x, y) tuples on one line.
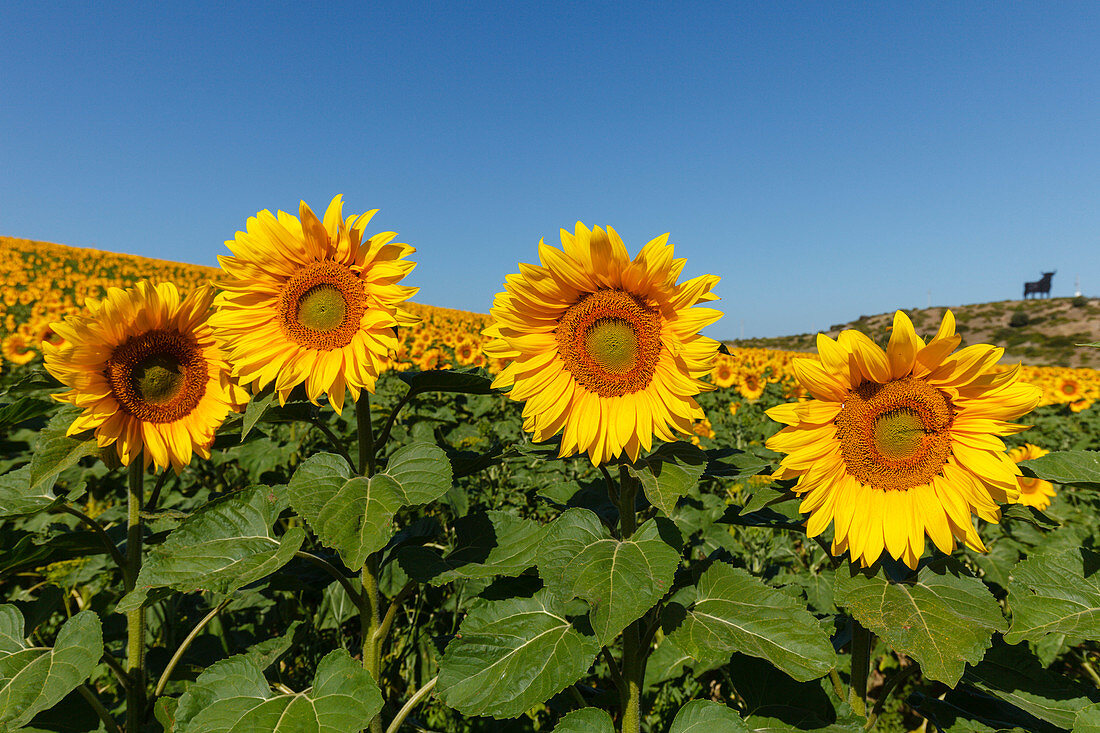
[(941, 619), (493, 575), (704, 716), (222, 547), (619, 579), (354, 514), (731, 611), (510, 655), (232, 695), (33, 679)]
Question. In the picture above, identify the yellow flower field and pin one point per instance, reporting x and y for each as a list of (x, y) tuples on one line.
[(43, 282)]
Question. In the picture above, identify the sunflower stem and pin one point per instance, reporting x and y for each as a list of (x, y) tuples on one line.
[(635, 649), (135, 619), (370, 615), (628, 488), (366, 435), (861, 663)]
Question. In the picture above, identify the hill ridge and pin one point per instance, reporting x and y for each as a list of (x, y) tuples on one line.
[(1037, 332)]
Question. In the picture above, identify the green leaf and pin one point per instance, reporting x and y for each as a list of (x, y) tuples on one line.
[(762, 497), (55, 452), (1088, 718), (19, 497), (941, 620), (1055, 592), (33, 679), (232, 695), (513, 654), (255, 409), (350, 514), (446, 380), (586, 720), (706, 716), (620, 580), (223, 546), (1029, 514), (1014, 674), (734, 611), (164, 710), (486, 544), (1067, 467), (23, 409), (353, 514), (422, 471), (263, 654), (669, 473)]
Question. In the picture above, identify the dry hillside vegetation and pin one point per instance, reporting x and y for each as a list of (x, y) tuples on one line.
[(1040, 332)]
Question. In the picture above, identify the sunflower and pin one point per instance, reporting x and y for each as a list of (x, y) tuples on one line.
[(1033, 491), (311, 301), (466, 352), (723, 374), (147, 372), (16, 349), (751, 385), (900, 443), (1066, 389), (602, 348), (433, 358)]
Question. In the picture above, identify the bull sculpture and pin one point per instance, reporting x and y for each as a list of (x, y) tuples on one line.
[(1041, 286)]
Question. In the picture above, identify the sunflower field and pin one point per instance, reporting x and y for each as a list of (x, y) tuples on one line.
[(280, 496)]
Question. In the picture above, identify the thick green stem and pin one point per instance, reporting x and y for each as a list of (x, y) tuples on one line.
[(633, 672), (370, 613), (628, 488), (861, 662), (366, 435), (634, 649), (371, 622), (135, 619)]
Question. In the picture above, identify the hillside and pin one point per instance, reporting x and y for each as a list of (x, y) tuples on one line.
[(1043, 334)]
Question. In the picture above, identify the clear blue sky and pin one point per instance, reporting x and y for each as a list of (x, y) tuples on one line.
[(825, 159)]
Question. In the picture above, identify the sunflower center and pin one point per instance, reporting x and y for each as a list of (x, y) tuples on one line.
[(895, 435), (612, 344), (610, 341), (898, 435), (322, 306), (158, 377)]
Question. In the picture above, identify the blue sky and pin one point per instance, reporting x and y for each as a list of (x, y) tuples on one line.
[(825, 159)]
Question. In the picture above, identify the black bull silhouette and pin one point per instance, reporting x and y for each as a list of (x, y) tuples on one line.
[(1041, 286)]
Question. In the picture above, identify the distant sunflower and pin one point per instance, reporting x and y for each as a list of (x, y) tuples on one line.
[(602, 348), (1066, 389), (16, 349), (904, 442), (1033, 491), (723, 375), (147, 372), (466, 352), (311, 301), (751, 385)]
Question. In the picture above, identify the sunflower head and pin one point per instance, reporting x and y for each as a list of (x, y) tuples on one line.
[(902, 442), (144, 366), (603, 348), (312, 301)]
